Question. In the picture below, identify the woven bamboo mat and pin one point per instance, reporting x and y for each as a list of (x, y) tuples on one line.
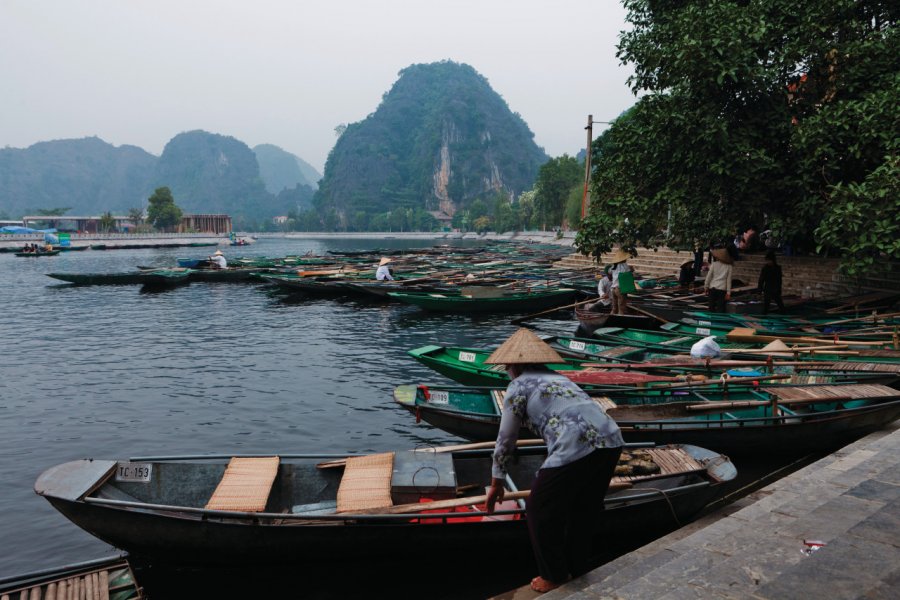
[(246, 484), (827, 392), (861, 366), (669, 460), (498, 396), (366, 482), (604, 402)]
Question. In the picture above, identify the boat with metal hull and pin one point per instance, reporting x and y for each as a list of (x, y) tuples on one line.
[(772, 420), (511, 303), (428, 499), (39, 253), (153, 278)]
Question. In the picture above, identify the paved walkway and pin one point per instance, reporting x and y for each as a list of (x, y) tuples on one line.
[(850, 500)]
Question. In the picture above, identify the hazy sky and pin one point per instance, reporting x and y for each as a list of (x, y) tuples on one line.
[(287, 72)]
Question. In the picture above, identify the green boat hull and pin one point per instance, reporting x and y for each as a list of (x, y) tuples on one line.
[(511, 304)]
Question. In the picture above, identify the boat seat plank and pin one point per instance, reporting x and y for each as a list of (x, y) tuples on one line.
[(669, 460), (826, 393), (246, 484), (366, 483), (617, 351)]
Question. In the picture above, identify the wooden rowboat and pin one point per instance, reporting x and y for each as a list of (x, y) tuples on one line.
[(109, 578), (783, 420), (263, 510)]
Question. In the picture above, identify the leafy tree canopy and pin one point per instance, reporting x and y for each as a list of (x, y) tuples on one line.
[(776, 112), (556, 179), (162, 211)]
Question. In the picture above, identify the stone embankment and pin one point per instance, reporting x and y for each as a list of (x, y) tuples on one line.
[(803, 275), (762, 545), (117, 239)]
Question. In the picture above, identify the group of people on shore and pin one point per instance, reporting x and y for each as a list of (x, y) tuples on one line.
[(716, 284)]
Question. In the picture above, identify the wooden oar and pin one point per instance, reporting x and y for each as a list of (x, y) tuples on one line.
[(340, 462), (647, 313), (418, 507), (544, 312), (739, 380)]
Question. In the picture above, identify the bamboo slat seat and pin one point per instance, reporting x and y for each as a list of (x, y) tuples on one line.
[(246, 484), (669, 461), (366, 482), (498, 396)]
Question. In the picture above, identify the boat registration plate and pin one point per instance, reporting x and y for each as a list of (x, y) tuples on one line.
[(704, 322), (576, 345), (439, 398), (467, 356), (139, 472), (702, 331)]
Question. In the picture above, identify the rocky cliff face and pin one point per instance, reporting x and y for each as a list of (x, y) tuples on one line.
[(440, 139)]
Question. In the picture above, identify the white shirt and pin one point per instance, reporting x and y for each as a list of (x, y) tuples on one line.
[(718, 277), (604, 287), (622, 267), (383, 274), (219, 260)]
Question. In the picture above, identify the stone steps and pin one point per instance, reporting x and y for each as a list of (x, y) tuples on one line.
[(850, 500), (815, 276)]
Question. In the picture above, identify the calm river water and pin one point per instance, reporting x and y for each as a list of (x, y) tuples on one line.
[(110, 372)]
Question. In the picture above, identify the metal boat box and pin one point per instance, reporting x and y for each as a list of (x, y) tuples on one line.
[(422, 474)]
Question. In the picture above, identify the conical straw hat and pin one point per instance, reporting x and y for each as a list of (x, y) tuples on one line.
[(721, 254), (523, 347), (619, 256), (777, 346), (384, 261)]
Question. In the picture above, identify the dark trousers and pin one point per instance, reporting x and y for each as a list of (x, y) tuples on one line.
[(767, 297), (564, 509), (716, 300)]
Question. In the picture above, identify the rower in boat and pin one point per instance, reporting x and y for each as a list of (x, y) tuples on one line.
[(604, 290), (217, 260), (384, 272), (583, 447)]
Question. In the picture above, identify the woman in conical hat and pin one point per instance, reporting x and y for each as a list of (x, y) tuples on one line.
[(583, 447), (383, 273), (718, 280), (619, 299)]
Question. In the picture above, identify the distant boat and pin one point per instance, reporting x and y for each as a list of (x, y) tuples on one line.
[(511, 303), (38, 253), (152, 278)]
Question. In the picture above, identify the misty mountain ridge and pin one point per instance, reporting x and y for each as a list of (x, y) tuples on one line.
[(206, 172)]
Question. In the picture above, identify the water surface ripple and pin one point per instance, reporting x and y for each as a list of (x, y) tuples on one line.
[(110, 372)]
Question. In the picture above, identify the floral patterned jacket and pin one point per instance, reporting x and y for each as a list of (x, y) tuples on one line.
[(569, 421)]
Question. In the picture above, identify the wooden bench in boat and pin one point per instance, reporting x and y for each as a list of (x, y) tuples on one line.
[(604, 401), (246, 484), (830, 393), (669, 460), (366, 483)]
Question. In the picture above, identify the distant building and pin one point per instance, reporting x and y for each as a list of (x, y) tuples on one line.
[(218, 224), (18, 223), (280, 220)]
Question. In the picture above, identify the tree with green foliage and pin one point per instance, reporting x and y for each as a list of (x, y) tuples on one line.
[(53, 212), (760, 111), (162, 211), (107, 222), (555, 180)]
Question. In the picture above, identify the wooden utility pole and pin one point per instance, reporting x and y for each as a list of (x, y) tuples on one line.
[(587, 166)]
